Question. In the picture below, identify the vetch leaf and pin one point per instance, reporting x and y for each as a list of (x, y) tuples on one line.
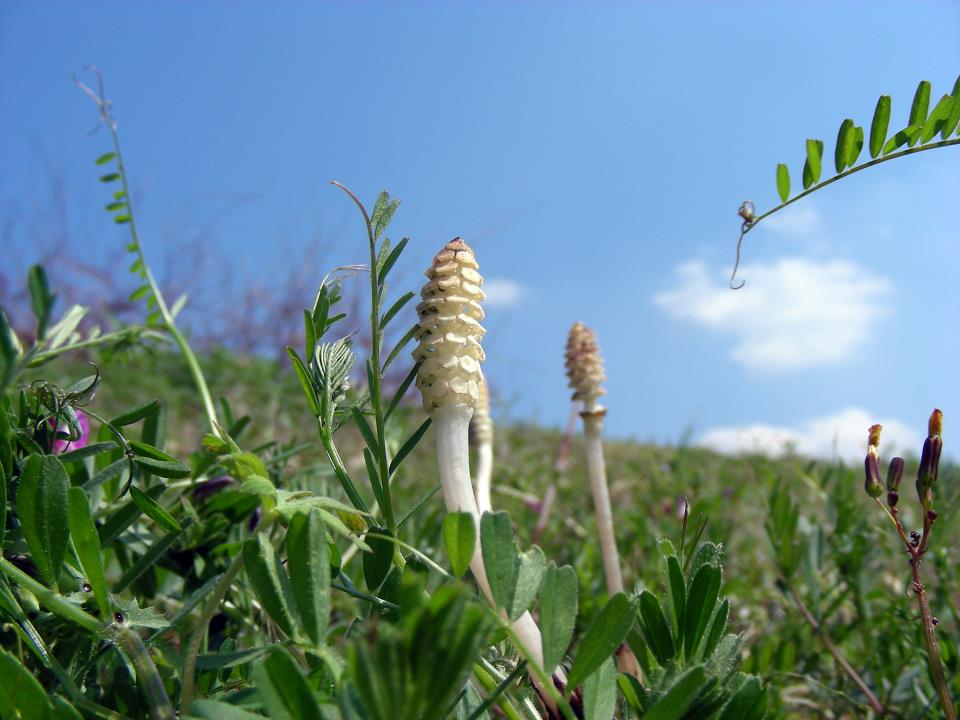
[(812, 166), (109, 177), (855, 147), (677, 589), (270, 582), (748, 697), (153, 510), (602, 639), (42, 510), (530, 568), (783, 182), (304, 377), (496, 544), (460, 540), (655, 629), (105, 158), (879, 125), (908, 136), (308, 561), (558, 613), (920, 105), (845, 140), (377, 564), (41, 299), (283, 689), (20, 692), (163, 468), (136, 414), (700, 601), (87, 543), (600, 692), (408, 446), (680, 697), (953, 117), (936, 119), (146, 561)]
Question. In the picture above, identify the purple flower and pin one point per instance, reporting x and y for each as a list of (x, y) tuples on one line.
[(63, 444)]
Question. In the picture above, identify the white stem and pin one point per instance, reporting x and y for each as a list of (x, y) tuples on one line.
[(484, 475), (451, 424), (593, 439)]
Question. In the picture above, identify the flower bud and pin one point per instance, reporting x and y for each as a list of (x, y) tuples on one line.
[(872, 484), (449, 334), (930, 458), (895, 474), (584, 364)]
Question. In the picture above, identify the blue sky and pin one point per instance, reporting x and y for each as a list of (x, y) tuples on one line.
[(593, 154)]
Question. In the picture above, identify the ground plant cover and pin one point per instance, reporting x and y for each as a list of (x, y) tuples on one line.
[(346, 533)]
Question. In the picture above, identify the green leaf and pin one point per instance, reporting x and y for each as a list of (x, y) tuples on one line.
[(283, 689), (121, 519), (105, 158), (812, 166), (304, 377), (530, 568), (921, 102), (109, 177), (395, 308), (42, 510), (953, 118), (717, 626), (3, 503), (391, 260), (140, 293), (602, 639), (845, 140), (936, 119), (153, 510), (87, 451), (680, 697), (747, 699), (163, 468), (20, 692), (113, 207), (460, 540), (87, 543), (600, 692), (270, 582), (879, 125), (121, 219), (256, 485), (136, 414), (382, 214), (783, 182), (655, 629), (408, 446), (308, 561), (856, 147), (377, 564), (146, 561), (700, 602), (558, 613), (41, 299), (243, 465), (677, 590), (499, 553), (908, 136)]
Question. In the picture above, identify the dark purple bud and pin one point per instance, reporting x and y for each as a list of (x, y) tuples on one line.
[(895, 473), (254, 519), (892, 497), (931, 514), (872, 486), (209, 488)]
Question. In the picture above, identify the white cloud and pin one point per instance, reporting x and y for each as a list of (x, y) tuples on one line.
[(502, 292), (794, 313), (840, 435)]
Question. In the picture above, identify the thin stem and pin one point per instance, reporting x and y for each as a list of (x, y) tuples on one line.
[(596, 466), (487, 675), (192, 364), (53, 601), (127, 640), (749, 225), (834, 651), (851, 171), (200, 631), (930, 641), (125, 335)]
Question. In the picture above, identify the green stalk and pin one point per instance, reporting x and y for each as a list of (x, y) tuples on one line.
[(168, 319), (376, 399), (124, 335), (544, 682), (54, 602)]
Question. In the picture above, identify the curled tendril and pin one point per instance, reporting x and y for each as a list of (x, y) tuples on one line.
[(749, 215), (99, 97)]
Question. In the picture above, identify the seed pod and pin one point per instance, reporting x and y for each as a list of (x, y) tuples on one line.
[(584, 365), (450, 331), (872, 484)]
